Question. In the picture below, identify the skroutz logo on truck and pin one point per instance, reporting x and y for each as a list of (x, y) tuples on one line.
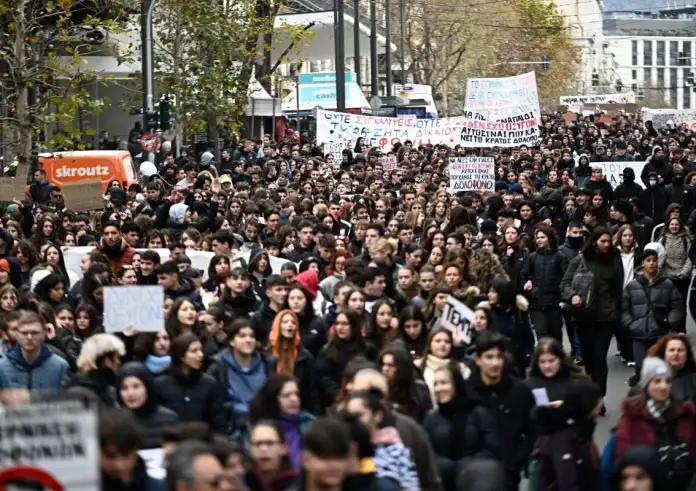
[(74, 171)]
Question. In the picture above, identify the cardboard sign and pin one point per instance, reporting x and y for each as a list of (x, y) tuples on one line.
[(84, 195), (457, 315), (134, 306), (613, 171), (388, 163), (12, 188), (58, 439), (470, 174)]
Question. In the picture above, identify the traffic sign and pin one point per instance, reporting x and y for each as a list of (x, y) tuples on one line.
[(149, 142)]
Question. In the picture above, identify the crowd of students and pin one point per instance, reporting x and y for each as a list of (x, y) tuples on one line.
[(311, 353)]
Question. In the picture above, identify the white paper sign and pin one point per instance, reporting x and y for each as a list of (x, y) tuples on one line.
[(59, 439), (471, 173), (613, 171), (504, 97), (541, 397), (622, 98), (137, 306), (388, 163), (457, 315)]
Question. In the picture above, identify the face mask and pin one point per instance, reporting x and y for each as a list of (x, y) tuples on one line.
[(575, 242), (653, 183)]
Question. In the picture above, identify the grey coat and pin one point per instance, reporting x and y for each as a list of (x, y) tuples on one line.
[(651, 309)]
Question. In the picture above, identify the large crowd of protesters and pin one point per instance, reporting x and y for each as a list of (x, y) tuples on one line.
[(312, 352)]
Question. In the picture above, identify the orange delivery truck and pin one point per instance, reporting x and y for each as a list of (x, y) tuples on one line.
[(71, 167)]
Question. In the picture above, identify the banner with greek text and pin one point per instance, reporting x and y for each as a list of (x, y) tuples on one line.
[(472, 129), (471, 174), (661, 117), (504, 97), (623, 98)]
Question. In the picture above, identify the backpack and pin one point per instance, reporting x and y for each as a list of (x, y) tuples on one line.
[(584, 286), (675, 458)]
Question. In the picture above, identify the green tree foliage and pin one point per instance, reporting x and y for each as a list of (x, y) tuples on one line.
[(207, 51), (43, 70)]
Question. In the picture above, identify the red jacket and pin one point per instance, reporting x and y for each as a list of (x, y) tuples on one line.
[(124, 259), (638, 427)]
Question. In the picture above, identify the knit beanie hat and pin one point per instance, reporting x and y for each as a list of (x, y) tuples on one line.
[(653, 367)]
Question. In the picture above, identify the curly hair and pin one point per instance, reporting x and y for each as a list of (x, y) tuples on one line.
[(485, 266)]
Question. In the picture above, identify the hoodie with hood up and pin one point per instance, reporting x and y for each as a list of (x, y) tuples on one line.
[(628, 188), (48, 371)]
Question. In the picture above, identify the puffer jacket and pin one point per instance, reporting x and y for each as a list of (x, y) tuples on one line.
[(650, 309), (544, 269), (677, 262)]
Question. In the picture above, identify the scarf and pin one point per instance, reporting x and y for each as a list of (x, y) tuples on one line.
[(657, 409), (291, 428), (157, 364), (433, 363)]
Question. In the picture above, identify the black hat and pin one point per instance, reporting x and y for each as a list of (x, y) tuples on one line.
[(646, 254)]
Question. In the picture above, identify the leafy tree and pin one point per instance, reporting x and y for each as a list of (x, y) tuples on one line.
[(43, 72), (207, 61), (446, 42)]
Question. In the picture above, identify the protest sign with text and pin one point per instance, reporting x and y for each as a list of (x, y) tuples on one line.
[(503, 97), (623, 98), (613, 171), (680, 117), (469, 130), (458, 316), (471, 174), (83, 195), (133, 306), (388, 163), (51, 441)]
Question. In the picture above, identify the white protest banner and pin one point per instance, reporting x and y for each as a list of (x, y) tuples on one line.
[(622, 98), (680, 117), (335, 148), (471, 174), (137, 306), (503, 97), (472, 129), (457, 315), (49, 442), (388, 163), (613, 171)]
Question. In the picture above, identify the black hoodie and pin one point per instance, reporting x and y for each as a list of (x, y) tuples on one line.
[(153, 418), (628, 188)]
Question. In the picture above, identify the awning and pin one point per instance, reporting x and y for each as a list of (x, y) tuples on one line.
[(260, 102)]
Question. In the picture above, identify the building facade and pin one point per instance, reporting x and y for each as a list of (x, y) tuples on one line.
[(655, 46)]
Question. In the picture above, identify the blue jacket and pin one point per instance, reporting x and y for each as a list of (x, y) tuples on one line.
[(47, 372)]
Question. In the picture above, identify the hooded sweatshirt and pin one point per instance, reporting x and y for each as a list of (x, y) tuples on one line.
[(243, 382), (47, 372)]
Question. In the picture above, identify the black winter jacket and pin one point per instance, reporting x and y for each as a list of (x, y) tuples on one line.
[(243, 305), (188, 290), (478, 441), (649, 309), (262, 321), (608, 277), (684, 385), (308, 382), (194, 396), (544, 269), (510, 403), (102, 382), (569, 460)]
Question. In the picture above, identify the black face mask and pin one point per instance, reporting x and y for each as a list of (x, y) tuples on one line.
[(678, 179), (575, 242)]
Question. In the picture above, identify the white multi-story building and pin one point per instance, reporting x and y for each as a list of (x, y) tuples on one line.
[(654, 43), (584, 19)]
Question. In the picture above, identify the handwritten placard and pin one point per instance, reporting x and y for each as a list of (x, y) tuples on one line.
[(388, 163), (12, 188), (140, 307), (470, 174), (83, 195)]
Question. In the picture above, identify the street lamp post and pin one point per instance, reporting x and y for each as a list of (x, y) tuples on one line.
[(147, 62), (340, 56)]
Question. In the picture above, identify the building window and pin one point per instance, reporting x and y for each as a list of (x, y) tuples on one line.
[(634, 74), (673, 77), (673, 96), (660, 53), (634, 53), (647, 78), (634, 87), (647, 53), (686, 50), (660, 77), (674, 53), (687, 98)]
